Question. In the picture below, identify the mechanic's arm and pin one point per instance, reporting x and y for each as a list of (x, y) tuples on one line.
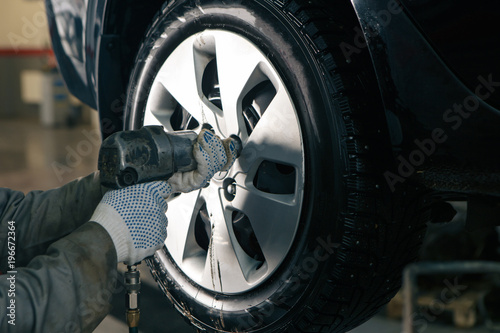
[(68, 289), (42, 217)]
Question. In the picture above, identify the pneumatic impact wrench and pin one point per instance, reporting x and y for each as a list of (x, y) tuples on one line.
[(138, 156)]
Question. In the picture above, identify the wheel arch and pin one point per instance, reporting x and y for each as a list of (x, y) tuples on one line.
[(124, 24), (420, 93)]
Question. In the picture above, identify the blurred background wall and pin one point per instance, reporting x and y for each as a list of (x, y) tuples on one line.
[(24, 52), (47, 137)]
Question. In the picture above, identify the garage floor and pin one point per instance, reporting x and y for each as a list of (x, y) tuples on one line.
[(33, 157)]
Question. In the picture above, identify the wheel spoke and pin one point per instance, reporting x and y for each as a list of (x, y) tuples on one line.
[(223, 270), (181, 218), (237, 61), (276, 137), (180, 77), (273, 218), (151, 119)]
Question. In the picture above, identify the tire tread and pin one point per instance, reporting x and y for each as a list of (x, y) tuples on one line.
[(340, 307)]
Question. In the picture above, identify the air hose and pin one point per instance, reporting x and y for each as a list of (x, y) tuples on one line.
[(133, 287)]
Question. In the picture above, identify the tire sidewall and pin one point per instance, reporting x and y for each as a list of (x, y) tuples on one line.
[(275, 302)]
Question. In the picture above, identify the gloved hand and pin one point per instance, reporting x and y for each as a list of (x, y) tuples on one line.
[(135, 219), (135, 216), (212, 155)]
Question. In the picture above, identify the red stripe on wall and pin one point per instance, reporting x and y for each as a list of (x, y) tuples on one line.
[(25, 52)]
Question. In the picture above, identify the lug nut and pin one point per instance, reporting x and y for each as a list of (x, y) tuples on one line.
[(229, 186), (231, 189)]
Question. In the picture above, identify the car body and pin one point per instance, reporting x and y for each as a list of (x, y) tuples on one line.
[(436, 70)]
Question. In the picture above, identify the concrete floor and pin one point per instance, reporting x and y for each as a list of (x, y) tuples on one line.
[(33, 157)]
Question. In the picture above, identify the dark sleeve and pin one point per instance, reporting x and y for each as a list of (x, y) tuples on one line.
[(68, 289), (41, 217)]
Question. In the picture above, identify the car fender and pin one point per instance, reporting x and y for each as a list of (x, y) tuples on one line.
[(421, 93), (67, 22)]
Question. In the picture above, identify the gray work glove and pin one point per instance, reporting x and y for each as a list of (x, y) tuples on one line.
[(135, 217), (212, 155)]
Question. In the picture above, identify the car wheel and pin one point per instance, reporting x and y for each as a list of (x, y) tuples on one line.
[(301, 235)]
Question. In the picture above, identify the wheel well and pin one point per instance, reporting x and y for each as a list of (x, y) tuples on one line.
[(129, 19), (124, 25)]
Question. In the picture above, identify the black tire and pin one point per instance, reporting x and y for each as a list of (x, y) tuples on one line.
[(354, 236)]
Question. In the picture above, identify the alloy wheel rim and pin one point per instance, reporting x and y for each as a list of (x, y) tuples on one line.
[(232, 235)]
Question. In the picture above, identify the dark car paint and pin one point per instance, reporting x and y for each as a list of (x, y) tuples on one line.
[(68, 42), (77, 50), (420, 91), (422, 96), (469, 43), (97, 60)]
